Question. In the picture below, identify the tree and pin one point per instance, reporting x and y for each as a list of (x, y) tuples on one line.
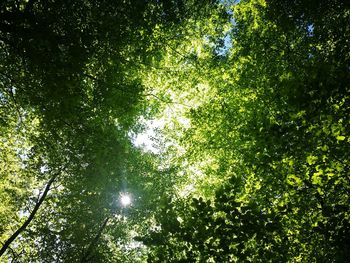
[(70, 71), (253, 159), (274, 121)]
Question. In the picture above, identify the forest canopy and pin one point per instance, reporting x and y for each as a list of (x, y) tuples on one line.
[(174, 131)]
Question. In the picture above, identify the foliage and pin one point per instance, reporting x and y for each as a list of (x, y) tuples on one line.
[(253, 151), (274, 120)]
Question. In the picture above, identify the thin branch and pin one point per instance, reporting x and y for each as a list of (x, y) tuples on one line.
[(16, 105), (29, 219), (146, 94), (15, 255), (166, 101), (88, 254), (12, 95), (90, 76)]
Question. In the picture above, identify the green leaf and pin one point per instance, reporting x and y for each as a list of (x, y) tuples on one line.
[(340, 138)]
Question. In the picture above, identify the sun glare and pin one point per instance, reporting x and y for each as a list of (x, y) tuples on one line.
[(125, 200)]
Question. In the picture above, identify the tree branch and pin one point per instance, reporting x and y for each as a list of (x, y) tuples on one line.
[(87, 255), (29, 219), (166, 101)]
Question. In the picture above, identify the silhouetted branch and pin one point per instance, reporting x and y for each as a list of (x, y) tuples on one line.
[(29, 219), (87, 255)]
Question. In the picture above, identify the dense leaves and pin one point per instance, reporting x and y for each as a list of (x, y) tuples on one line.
[(274, 120), (69, 94), (252, 150)]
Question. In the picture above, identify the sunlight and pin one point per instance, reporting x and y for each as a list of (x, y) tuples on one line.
[(125, 200), (147, 140)]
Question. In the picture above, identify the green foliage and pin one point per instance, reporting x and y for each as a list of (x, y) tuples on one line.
[(253, 158), (275, 120), (70, 92)]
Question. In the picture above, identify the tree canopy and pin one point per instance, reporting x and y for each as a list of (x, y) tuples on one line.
[(246, 104)]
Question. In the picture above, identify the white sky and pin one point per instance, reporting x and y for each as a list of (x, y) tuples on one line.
[(146, 140)]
